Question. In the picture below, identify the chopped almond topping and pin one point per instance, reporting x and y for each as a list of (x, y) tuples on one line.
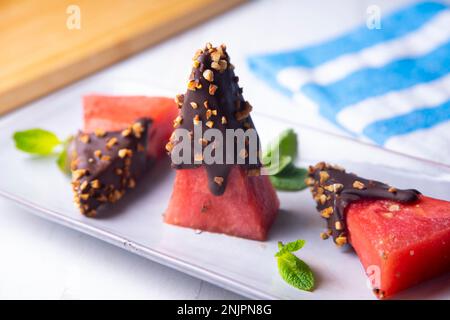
[(338, 225), (105, 158), (218, 180), (126, 132), (85, 138), (392, 190), (394, 207), (196, 119), (208, 75), (192, 85), (111, 142), (208, 113), (203, 141), (179, 99), (194, 105), (335, 187), (177, 122), (95, 184), (324, 176), (206, 104), (341, 240), (209, 124), (215, 56), (100, 132), (124, 152), (224, 120), (77, 174), (324, 235), (98, 153), (358, 185), (327, 212), (137, 129), (196, 64), (84, 185), (215, 65), (198, 157), (131, 183), (212, 89), (84, 196), (169, 146), (243, 153)]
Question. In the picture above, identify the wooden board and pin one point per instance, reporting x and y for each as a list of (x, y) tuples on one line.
[(40, 53)]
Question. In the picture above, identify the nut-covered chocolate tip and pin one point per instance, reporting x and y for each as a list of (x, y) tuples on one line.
[(105, 164), (213, 100), (334, 189)]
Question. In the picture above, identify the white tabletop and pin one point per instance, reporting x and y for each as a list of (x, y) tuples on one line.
[(42, 260)]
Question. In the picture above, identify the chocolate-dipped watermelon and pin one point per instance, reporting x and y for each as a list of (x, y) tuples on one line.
[(231, 196), (401, 236), (106, 164)]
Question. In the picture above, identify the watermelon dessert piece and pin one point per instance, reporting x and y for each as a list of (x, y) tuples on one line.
[(228, 195), (401, 236), (106, 164), (112, 113)]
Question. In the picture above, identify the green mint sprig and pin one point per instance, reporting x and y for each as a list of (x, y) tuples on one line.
[(293, 270), (279, 159), (43, 143)]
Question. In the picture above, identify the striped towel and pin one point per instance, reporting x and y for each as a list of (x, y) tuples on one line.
[(388, 85)]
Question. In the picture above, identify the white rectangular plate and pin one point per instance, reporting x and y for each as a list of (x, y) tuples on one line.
[(244, 266)]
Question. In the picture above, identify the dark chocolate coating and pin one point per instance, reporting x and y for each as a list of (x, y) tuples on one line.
[(334, 189), (104, 169), (204, 104)]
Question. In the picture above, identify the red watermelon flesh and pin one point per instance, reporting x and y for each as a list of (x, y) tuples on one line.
[(409, 243), (112, 113), (247, 208)]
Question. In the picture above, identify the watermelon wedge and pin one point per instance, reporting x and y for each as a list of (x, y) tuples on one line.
[(224, 197), (247, 208), (112, 113), (401, 237), (407, 243)]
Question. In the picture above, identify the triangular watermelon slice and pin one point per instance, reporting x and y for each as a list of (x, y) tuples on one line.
[(409, 243), (112, 113), (230, 198), (401, 237), (247, 208)]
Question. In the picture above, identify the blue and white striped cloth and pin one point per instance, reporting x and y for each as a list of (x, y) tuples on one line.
[(389, 85)]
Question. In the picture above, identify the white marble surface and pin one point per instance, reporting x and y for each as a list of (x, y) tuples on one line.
[(41, 260)]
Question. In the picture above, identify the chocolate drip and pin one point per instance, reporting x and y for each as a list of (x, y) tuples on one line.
[(214, 100), (334, 189), (106, 164)]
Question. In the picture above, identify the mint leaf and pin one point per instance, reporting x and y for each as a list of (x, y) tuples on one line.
[(36, 141), (285, 145), (290, 247), (293, 270), (279, 164), (279, 160), (290, 179)]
